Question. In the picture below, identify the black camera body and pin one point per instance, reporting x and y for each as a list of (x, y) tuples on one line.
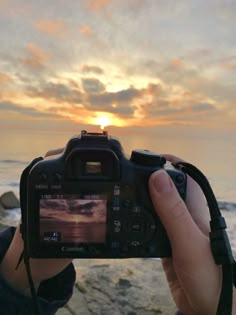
[(93, 202)]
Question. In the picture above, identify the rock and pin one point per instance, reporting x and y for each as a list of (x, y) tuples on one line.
[(120, 287), (1, 207), (9, 200)]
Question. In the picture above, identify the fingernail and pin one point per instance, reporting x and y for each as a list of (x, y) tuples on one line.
[(162, 182)]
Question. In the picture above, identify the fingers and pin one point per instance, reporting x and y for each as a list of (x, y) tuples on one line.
[(172, 158), (195, 199), (54, 152), (179, 224)]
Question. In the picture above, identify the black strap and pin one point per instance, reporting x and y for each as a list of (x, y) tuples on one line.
[(23, 194), (220, 245), (225, 302), (24, 254)]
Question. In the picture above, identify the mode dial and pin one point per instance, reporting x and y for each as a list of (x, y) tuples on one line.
[(147, 158)]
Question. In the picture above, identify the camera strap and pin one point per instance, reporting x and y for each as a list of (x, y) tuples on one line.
[(219, 241), (24, 255)]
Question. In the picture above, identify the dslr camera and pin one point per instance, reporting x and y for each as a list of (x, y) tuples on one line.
[(93, 202)]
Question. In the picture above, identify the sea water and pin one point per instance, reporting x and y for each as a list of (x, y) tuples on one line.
[(213, 154)]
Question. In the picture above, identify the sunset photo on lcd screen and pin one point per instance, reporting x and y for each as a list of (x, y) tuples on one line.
[(73, 219)]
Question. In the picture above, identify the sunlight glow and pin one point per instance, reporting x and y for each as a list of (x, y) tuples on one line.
[(103, 121)]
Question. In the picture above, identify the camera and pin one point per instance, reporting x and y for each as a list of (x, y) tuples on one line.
[(93, 201)]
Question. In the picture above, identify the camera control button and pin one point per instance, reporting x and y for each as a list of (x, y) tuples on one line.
[(116, 226), (135, 243), (57, 178), (179, 179), (136, 227), (116, 202), (150, 228), (43, 177), (127, 203), (136, 209)]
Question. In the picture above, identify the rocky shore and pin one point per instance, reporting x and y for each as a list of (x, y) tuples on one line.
[(119, 287)]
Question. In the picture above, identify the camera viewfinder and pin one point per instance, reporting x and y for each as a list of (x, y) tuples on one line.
[(93, 167)]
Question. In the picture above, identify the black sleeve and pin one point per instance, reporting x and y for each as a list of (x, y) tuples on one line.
[(52, 293)]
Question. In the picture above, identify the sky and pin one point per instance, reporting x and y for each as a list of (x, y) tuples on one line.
[(127, 63)]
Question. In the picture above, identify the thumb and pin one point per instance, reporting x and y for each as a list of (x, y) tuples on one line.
[(173, 213)]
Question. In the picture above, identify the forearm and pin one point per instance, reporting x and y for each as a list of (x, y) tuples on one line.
[(41, 269)]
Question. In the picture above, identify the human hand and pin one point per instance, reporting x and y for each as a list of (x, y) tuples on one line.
[(41, 269), (194, 278)]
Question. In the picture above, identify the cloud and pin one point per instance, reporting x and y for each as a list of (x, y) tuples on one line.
[(226, 10), (57, 92), (5, 78), (97, 5), (68, 100), (155, 103), (10, 107), (93, 98), (92, 85), (86, 30), (126, 96), (36, 57), (230, 65), (121, 103), (204, 107), (191, 112), (55, 28), (92, 69), (177, 62), (186, 76)]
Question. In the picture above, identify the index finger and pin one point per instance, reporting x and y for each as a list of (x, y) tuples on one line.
[(54, 152), (195, 199)]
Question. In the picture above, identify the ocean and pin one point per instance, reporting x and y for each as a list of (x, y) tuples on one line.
[(213, 153)]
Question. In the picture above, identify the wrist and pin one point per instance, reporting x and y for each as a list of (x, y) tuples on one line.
[(41, 269)]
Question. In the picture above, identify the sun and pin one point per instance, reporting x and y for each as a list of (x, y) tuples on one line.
[(103, 121)]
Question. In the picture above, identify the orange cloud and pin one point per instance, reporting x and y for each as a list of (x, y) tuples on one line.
[(36, 57), (231, 66), (177, 62), (97, 5), (86, 30), (4, 78), (51, 27), (92, 69), (14, 8)]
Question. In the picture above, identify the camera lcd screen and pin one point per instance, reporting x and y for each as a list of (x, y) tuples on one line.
[(73, 218)]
